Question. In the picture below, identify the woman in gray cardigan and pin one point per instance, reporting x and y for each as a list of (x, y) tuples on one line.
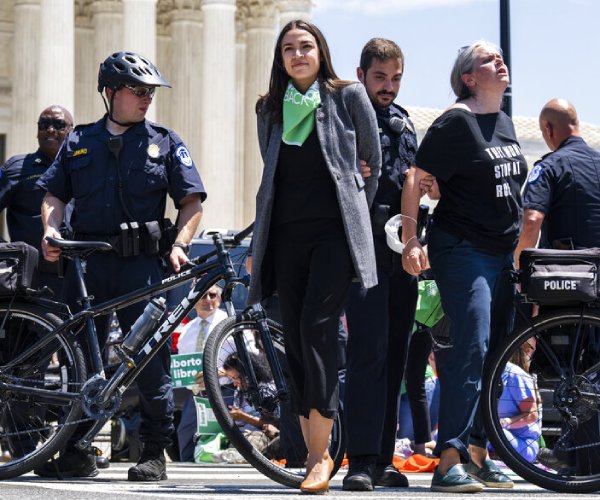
[(313, 231)]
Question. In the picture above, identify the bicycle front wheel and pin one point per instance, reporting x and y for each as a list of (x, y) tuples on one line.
[(34, 426), (278, 451), (541, 401)]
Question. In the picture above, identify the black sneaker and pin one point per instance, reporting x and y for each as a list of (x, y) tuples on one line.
[(151, 466), (70, 463), (390, 477), (547, 458), (359, 477)]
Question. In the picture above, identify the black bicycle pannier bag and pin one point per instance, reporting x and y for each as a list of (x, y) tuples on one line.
[(560, 277), (18, 267)]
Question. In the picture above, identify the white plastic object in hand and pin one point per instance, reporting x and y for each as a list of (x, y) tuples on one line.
[(392, 236)]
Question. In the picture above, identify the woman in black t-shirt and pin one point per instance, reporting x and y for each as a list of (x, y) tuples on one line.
[(472, 151)]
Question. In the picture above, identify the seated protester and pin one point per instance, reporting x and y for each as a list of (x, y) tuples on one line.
[(519, 406), (261, 430), (192, 339)]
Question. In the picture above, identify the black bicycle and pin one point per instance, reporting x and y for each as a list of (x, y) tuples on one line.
[(48, 385), (541, 391)]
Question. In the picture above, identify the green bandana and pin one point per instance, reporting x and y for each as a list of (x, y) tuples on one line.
[(429, 304), (299, 113)]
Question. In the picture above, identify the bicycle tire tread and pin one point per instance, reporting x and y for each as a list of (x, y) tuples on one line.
[(494, 369), (15, 468)]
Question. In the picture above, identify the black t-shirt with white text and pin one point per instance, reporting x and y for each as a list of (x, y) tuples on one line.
[(480, 169)]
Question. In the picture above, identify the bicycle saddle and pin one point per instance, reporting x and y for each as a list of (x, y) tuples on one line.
[(82, 246)]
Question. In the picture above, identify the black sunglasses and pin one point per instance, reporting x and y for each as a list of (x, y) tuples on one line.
[(140, 91), (210, 295), (46, 123)]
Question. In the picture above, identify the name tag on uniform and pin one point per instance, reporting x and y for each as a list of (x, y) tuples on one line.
[(79, 152)]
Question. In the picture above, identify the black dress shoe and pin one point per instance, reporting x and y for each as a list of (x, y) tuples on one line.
[(359, 477), (390, 477), (102, 462)]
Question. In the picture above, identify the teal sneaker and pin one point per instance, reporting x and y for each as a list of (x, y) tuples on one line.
[(489, 475), (456, 480)]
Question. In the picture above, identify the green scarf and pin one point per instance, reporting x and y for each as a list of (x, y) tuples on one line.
[(299, 113)]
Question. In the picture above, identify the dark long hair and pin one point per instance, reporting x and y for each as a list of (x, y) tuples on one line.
[(259, 363), (273, 100)]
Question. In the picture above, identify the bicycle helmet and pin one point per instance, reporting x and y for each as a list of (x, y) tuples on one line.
[(128, 67)]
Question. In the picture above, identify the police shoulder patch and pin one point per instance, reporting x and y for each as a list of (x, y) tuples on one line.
[(535, 173), (183, 155)]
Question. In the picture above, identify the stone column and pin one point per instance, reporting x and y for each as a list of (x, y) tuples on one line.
[(87, 99), (294, 9), (107, 23), (56, 71), (260, 39), (139, 35), (218, 111), (163, 61), (185, 75), (240, 89), (25, 61)]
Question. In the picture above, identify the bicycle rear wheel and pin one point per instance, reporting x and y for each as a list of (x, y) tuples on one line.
[(281, 459), (33, 426), (564, 375)]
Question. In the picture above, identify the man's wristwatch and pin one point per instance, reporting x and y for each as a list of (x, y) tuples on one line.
[(184, 246)]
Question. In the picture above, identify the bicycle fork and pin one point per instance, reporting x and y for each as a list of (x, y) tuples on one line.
[(266, 403)]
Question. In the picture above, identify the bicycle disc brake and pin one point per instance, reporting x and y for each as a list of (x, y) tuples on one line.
[(91, 403), (578, 399), (268, 401)]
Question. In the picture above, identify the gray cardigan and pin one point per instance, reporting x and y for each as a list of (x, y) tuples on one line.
[(347, 130)]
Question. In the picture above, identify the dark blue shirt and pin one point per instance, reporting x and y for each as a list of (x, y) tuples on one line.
[(398, 150), (153, 162), (565, 186), (21, 198)]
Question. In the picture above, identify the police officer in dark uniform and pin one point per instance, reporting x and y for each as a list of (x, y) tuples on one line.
[(119, 171), (561, 205), (22, 201), (21, 198), (562, 196), (380, 319)]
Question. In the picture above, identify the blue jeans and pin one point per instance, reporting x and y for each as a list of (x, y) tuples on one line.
[(477, 298)]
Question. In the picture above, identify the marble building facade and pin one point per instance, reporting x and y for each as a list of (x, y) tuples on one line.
[(215, 53)]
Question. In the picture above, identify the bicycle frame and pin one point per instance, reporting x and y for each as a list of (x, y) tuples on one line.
[(209, 272)]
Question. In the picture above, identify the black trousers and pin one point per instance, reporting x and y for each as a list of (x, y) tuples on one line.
[(379, 320), (108, 276), (418, 356), (313, 270)]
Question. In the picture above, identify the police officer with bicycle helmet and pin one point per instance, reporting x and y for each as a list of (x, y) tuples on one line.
[(119, 170)]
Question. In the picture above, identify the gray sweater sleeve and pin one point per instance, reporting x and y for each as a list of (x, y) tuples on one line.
[(367, 136)]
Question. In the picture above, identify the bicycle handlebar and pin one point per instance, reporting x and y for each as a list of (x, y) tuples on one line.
[(228, 241)]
